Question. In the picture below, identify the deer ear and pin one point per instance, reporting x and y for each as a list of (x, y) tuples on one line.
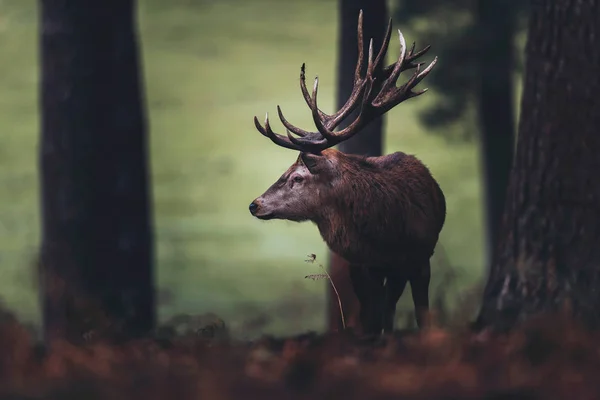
[(313, 162)]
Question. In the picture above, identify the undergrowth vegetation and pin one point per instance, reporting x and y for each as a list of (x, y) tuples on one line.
[(549, 358)]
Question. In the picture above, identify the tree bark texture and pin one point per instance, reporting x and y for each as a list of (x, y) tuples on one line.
[(96, 252), (549, 250), (368, 142), (496, 24)]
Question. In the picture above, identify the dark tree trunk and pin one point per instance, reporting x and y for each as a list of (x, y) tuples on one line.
[(96, 252), (375, 18), (369, 141), (549, 250), (496, 24)]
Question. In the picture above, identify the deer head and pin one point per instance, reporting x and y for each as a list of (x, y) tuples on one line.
[(302, 191)]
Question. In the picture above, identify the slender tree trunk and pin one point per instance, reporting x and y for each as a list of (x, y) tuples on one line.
[(496, 32), (368, 142), (549, 250), (96, 252)]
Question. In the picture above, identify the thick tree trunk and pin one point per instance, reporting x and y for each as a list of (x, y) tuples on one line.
[(368, 142), (550, 243), (496, 29), (96, 253)]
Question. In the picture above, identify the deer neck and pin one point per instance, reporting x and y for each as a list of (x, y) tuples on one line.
[(334, 229)]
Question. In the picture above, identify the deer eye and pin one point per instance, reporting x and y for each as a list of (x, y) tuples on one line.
[(298, 179)]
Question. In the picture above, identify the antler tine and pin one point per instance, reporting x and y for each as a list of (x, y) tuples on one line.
[(308, 144), (321, 127), (361, 54), (318, 117), (408, 60), (362, 120), (425, 72), (412, 49), (290, 127), (390, 100), (413, 56), (300, 144), (384, 45), (275, 138), (416, 78), (333, 120), (370, 64), (390, 96), (305, 94), (354, 127), (391, 80)]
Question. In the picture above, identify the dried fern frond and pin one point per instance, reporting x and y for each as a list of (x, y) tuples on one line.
[(311, 258), (316, 277)]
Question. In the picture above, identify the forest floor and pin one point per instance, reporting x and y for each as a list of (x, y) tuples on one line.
[(551, 358)]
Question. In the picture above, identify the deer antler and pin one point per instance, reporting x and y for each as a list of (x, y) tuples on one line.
[(372, 105)]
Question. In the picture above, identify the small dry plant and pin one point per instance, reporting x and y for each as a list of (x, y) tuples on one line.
[(311, 258)]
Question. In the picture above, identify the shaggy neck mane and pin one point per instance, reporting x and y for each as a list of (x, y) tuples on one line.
[(361, 195)]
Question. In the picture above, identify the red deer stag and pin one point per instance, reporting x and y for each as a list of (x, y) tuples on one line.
[(382, 214)]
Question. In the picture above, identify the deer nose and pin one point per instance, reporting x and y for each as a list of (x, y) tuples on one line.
[(253, 207)]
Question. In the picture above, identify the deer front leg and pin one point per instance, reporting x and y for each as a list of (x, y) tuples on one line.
[(393, 287), (370, 293), (377, 292)]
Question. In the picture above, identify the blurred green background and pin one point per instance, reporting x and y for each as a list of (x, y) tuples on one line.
[(209, 67)]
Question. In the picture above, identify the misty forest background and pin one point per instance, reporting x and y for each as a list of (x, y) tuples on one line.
[(208, 68)]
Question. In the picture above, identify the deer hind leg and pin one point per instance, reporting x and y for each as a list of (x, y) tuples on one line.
[(419, 284)]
